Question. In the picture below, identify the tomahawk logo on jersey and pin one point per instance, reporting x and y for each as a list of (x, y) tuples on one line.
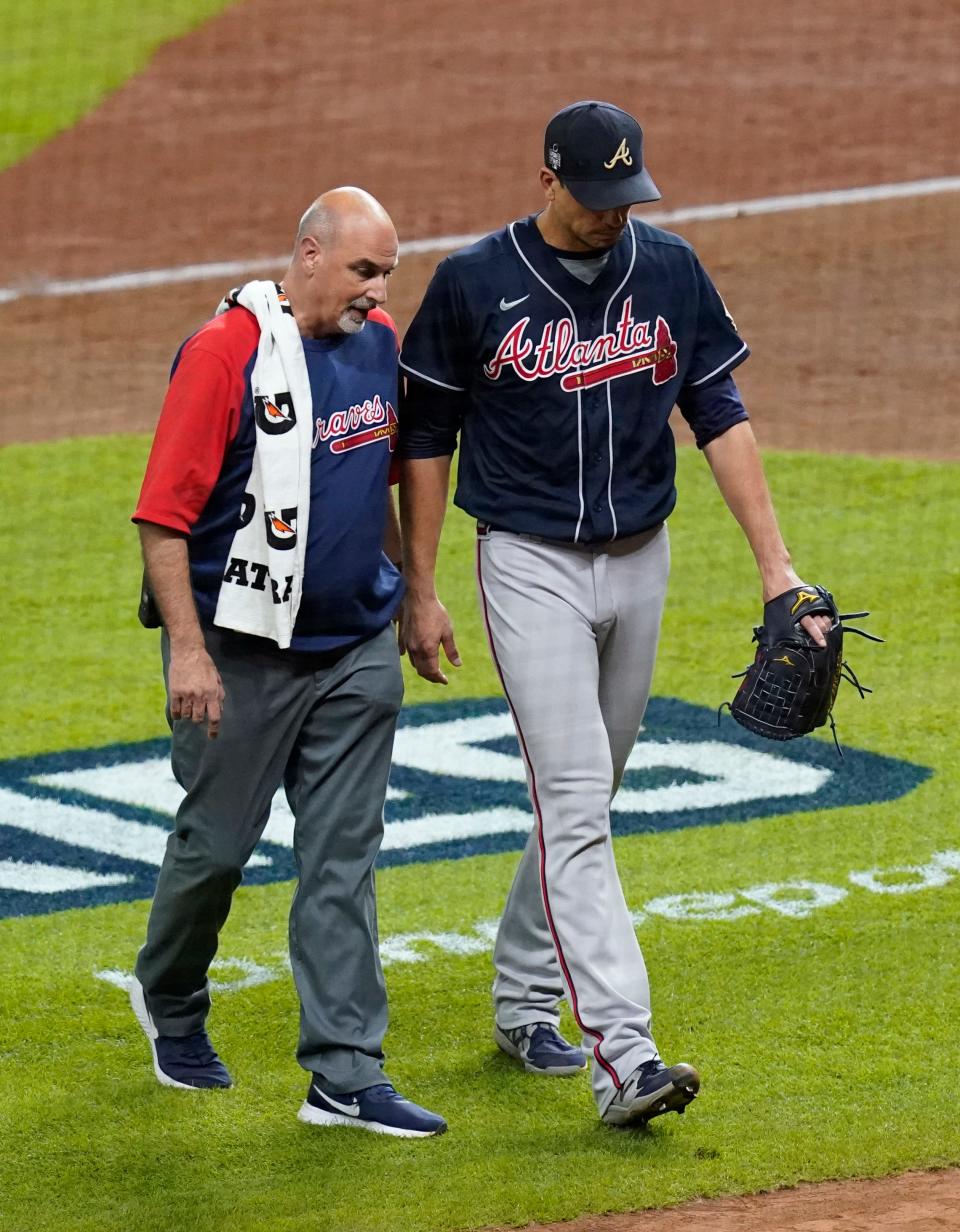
[(607, 359)]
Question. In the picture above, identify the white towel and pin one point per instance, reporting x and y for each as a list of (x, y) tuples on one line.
[(263, 579)]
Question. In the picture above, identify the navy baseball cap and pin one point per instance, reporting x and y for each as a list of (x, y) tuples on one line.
[(596, 149)]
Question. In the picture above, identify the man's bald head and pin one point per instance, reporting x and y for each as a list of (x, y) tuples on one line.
[(345, 249), (325, 217)]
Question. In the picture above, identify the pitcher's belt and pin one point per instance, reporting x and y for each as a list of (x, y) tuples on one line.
[(612, 547)]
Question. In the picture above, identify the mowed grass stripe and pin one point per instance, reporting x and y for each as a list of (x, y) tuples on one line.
[(62, 57)]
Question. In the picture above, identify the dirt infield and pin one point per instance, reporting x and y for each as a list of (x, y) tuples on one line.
[(851, 311), (211, 153), (439, 109), (914, 1202)]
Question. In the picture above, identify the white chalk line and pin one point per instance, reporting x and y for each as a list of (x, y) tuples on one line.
[(138, 279)]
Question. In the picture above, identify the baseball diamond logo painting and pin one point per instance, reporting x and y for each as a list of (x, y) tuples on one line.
[(88, 828)]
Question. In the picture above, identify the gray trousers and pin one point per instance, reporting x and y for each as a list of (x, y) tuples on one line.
[(573, 633), (325, 730)]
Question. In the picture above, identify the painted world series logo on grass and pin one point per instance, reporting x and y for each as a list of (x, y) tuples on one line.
[(87, 828)]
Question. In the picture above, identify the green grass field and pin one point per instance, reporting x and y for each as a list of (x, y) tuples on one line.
[(59, 58), (822, 1040)]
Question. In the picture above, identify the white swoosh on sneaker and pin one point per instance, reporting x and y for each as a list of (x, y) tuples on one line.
[(505, 305), (352, 1110)]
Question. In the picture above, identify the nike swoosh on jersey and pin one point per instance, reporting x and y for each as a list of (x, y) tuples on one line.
[(506, 305), (352, 1110)]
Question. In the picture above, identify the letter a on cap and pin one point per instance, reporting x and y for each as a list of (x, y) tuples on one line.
[(622, 155)]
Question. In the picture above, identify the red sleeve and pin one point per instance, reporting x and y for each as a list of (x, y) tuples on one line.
[(199, 419), (379, 314)]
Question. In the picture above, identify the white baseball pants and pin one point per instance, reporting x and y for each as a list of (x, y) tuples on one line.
[(573, 633)]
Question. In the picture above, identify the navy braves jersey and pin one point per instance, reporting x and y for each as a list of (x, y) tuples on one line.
[(203, 451), (565, 388)]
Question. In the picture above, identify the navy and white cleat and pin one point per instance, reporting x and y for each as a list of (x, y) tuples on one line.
[(188, 1062), (379, 1108), (540, 1048), (651, 1090)]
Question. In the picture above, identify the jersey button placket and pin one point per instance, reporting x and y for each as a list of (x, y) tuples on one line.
[(593, 406), (596, 427)]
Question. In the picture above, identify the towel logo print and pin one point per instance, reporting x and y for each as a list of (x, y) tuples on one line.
[(281, 527), (275, 414)]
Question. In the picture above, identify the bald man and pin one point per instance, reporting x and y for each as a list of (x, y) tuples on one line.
[(269, 538)]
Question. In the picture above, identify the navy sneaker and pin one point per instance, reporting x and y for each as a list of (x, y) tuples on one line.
[(188, 1062), (651, 1090), (380, 1109), (541, 1049)]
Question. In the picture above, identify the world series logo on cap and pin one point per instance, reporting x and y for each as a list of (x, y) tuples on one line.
[(553, 157)]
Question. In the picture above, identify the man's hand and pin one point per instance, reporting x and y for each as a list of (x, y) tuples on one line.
[(195, 688), (425, 626), (787, 579)]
